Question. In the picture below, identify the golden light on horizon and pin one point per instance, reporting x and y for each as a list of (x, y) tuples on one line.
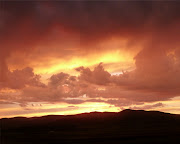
[(34, 109)]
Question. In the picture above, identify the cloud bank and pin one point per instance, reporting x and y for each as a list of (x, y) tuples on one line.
[(26, 27)]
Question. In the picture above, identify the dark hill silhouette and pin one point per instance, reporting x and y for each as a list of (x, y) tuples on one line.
[(127, 126)]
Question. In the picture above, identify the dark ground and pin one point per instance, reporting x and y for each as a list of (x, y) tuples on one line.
[(126, 127)]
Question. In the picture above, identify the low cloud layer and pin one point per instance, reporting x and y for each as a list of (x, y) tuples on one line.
[(19, 79), (119, 90)]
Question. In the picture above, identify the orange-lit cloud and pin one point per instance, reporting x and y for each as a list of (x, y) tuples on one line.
[(121, 54)]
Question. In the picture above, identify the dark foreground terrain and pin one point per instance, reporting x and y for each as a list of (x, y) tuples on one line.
[(126, 127)]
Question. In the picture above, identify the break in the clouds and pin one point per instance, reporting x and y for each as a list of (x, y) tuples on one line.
[(140, 38)]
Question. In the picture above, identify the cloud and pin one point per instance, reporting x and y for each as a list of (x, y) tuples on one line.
[(146, 107), (42, 29), (58, 79), (128, 88), (27, 27), (3, 70), (97, 76), (5, 102), (19, 79)]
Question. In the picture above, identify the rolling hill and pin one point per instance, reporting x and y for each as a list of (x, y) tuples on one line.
[(127, 126)]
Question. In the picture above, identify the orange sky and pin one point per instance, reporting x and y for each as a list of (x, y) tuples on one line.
[(74, 57)]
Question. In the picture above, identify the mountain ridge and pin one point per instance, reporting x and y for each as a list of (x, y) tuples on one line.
[(127, 126), (129, 111)]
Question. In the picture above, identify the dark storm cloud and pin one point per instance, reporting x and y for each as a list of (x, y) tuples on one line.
[(24, 25)]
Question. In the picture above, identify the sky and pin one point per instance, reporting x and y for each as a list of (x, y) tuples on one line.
[(70, 57)]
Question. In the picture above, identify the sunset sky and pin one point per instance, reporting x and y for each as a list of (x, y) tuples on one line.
[(73, 57)]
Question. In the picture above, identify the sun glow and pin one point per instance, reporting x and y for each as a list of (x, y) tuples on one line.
[(40, 109), (69, 65)]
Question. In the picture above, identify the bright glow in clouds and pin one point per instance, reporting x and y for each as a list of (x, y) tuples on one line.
[(88, 61), (40, 109), (117, 58), (107, 56)]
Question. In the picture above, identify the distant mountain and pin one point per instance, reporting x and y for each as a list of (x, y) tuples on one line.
[(127, 126)]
